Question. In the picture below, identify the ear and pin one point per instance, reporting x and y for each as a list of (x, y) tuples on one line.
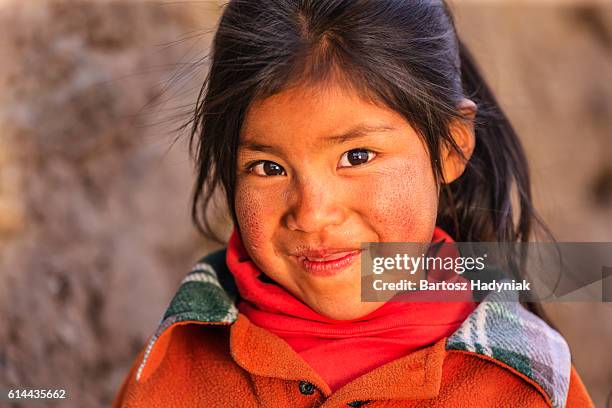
[(462, 131)]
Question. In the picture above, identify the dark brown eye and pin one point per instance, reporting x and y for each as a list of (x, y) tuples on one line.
[(267, 168), (356, 157)]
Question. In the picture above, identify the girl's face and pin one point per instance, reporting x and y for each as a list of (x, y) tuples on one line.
[(321, 170)]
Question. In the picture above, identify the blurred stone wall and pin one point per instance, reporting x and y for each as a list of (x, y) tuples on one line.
[(94, 227), (551, 68), (95, 232)]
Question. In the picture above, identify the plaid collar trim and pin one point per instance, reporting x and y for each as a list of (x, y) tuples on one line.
[(502, 329), (206, 295), (499, 328)]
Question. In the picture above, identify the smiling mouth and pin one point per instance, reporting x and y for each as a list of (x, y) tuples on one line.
[(330, 264), (331, 257)]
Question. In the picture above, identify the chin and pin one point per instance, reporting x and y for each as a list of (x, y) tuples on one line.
[(347, 311)]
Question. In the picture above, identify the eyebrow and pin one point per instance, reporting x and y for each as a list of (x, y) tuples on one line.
[(356, 132)]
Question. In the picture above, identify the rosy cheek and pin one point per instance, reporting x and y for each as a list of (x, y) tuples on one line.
[(249, 212), (403, 208)]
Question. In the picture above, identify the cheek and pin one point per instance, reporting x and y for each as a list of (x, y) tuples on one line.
[(249, 210), (404, 202)]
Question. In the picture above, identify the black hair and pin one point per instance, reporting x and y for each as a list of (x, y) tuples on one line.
[(403, 54)]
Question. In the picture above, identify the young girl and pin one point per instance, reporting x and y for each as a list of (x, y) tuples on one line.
[(328, 123)]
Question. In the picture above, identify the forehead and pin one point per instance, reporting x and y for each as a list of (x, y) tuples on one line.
[(310, 113)]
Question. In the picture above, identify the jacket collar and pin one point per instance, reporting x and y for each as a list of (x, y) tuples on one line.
[(500, 328)]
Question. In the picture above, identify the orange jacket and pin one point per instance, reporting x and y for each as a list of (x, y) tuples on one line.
[(206, 354)]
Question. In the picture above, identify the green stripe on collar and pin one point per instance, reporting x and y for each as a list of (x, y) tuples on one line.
[(207, 294)]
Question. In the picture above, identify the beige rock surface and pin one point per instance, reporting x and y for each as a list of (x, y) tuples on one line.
[(94, 227)]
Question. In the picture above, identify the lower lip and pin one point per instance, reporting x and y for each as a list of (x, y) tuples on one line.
[(329, 268)]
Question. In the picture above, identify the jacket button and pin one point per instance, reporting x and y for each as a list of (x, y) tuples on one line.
[(307, 388), (357, 403)]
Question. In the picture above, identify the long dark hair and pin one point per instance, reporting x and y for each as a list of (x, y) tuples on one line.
[(403, 54)]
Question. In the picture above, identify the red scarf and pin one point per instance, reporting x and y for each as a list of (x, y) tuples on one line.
[(342, 350)]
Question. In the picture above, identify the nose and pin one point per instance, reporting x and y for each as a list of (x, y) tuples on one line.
[(314, 206)]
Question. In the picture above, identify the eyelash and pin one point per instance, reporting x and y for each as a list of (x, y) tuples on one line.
[(251, 166)]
